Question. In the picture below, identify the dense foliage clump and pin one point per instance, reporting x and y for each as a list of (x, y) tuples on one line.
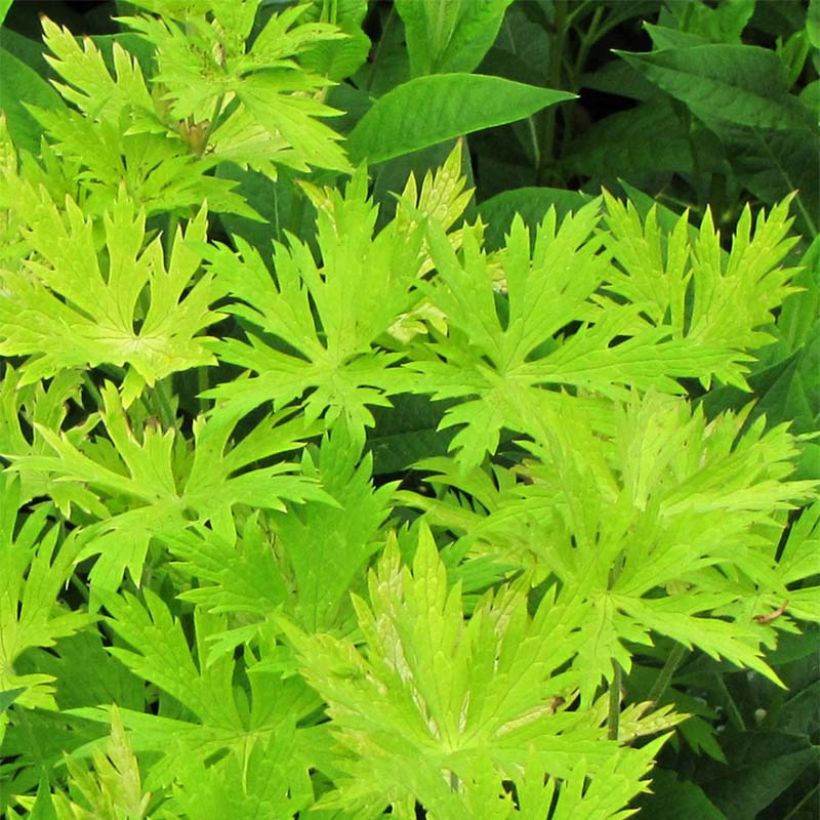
[(408, 409)]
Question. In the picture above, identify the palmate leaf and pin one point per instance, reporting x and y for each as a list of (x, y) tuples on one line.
[(440, 710), (203, 712), (151, 485), (71, 306), (119, 133), (314, 329), (35, 563), (635, 329), (302, 561), (663, 522), (256, 104)]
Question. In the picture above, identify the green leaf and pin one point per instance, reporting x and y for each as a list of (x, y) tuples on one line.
[(325, 571), (21, 86), (5, 5), (449, 36), (439, 710), (314, 328), (531, 204), (746, 85), (428, 110), (71, 306), (761, 766), (626, 144), (146, 487), (203, 714), (675, 799), (8, 696), (35, 563), (112, 786)]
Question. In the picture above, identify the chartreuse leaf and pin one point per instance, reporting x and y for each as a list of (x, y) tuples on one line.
[(46, 406), (35, 563), (270, 782), (70, 306), (440, 710), (664, 523), (429, 110), (337, 59), (325, 568), (110, 787), (148, 485), (205, 712), (313, 328), (733, 295), (207, 66), (321, 548), (504, 343), (449, 36), (116, 132), (799, 563)]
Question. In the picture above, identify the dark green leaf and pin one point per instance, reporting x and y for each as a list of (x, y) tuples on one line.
[(746, 85), (21, 85), (429, 110)]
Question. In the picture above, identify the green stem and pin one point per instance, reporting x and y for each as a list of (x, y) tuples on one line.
[(614, 716), (164, 407), (667, 672), (536, 148), (93, 390), (202, 384), (548, 152), (731, 707)]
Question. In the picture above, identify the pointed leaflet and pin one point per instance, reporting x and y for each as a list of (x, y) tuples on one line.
[(149, 485), (303, 560), (634, 330), (121, 134), (35, 564), (732, 295), (111, 787), (326, 318), (433, 700), (206, 67), (501, 348), (73, 307), (665, 519), (204, 708), (328, 546)]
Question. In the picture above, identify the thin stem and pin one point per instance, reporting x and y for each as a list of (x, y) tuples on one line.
[(536, 148), (731, 707), (93, 390), (667, 673), (553, 81), (614, 715), (165, 410), (796, 809), (202, 384)]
